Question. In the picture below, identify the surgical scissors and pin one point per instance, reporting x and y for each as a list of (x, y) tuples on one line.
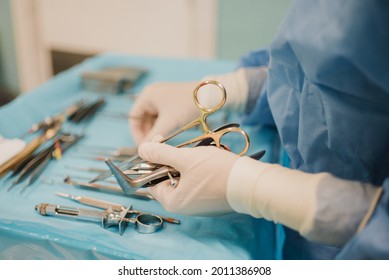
[(215, 135)]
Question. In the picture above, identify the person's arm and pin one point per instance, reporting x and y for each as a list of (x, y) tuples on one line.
[(247, 88), (372, 240), (320, 206), (213, 182)]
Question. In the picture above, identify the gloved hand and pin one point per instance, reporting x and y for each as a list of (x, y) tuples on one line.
[(164, 107), (203, 179), (173, 106)]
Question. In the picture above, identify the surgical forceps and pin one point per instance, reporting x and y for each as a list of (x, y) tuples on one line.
[(34, 165), (28, 150), (144, 222), (57, 120), (201, 121)]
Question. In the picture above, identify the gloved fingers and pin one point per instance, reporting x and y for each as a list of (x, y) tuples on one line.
[(181, 201), (140, 129), (162, 192), (164, 154), (162, 126), (174, 200), (142, 118), (157, 138)]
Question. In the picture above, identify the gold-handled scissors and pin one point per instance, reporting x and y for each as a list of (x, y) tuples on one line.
[(215, 135), (202, 121)]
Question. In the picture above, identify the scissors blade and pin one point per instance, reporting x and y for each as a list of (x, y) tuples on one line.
[(258, 155)]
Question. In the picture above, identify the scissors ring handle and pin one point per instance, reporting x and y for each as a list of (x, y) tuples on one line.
[(219, 105), (218, 135)]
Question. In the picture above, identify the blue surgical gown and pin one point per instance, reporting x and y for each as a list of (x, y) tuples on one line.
[(328, 95)]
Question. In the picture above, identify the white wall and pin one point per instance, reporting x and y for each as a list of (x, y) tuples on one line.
[(170, 28), (8, 70)]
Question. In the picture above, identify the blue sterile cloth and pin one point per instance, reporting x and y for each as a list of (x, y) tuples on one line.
[(24, 234)]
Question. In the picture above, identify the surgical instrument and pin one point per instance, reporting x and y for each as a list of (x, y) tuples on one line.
[(131, 171), (144, 223), (119, 151), (41, 158), (52, 121), (126, 116), (86, 169), (106, 205), (129, 185), (28, 150), (80, 177), (202, 122), (37, 172), (208, 136), (100, 158), (86, 110), (37, 162), (111, 189)]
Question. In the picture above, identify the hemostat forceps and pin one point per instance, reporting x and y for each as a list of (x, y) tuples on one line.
[(215, 135), (144, 223)]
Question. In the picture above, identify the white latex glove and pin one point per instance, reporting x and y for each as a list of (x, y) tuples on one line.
[(203, 178), (320, 206), (164, 107)]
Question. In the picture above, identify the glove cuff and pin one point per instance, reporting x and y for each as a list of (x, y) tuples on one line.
[(273, 192)]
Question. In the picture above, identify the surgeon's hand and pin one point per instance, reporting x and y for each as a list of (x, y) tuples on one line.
[(203, 179), (161, 108)]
